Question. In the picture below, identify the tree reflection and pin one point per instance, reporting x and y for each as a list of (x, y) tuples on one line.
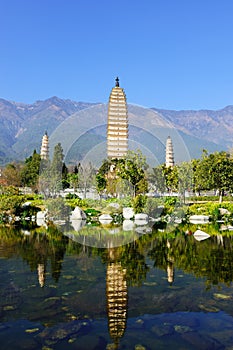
[(37, 248), (211, 259)]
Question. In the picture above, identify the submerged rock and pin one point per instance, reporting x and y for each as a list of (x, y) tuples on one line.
[(51, 336), (139, 347), (32, 330), (208, 308), (222, 296), (163, 329), (202, 342), (182, 329)]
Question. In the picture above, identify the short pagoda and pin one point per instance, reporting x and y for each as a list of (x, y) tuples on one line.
[(169, 153), (44, 152)]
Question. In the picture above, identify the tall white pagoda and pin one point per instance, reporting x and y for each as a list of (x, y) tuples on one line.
[(117, 128)]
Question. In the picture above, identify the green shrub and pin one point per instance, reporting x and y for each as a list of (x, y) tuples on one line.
[(210, 208), (92, 212), (170, 201), (154, 207), (209, 198), (169, 204), (124, 202), (57, 209), (72, 196), (76, 202), (139, 203)]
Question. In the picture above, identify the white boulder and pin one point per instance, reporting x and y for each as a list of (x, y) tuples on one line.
[(78, 214), (141, 219), (128, 213), (78, 224), (141, 216), (199, 219), (224, 211), (200, 235), (105, 219), (128, 225), (41, 218), (114, 205)]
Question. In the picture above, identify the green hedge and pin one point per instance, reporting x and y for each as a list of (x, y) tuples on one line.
[(210, 208)]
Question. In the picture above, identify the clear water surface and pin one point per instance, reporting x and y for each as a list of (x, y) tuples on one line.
[(161, 291)]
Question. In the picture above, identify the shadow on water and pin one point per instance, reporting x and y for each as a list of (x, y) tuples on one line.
[(164, 289)]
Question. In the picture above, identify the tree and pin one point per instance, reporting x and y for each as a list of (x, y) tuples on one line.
[(185, 177), (138, 159), (196, 184), (11, 174), (139, 203), (164, 178), (65, 182), (215, 171), (171, 178), (30, 172), (101, 183), (56, 169), (45, 181), (86, 177), (72, 180), (10, 203), (57, 162), (157, 179), (132, 169), (202, 175), (123, 175), (128, 171), (53, 175)]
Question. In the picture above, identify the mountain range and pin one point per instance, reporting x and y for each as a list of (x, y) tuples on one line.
[(23, 125)]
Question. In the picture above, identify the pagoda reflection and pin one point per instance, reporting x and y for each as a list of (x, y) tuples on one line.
[(170, 264), (41, 270), (117, 297)]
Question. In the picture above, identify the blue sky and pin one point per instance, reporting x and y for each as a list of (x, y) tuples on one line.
[(171, 54)]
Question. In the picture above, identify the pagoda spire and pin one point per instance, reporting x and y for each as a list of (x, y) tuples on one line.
[(117, 82)]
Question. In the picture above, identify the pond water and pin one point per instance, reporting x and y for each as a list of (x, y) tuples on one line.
[(161, 291)]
